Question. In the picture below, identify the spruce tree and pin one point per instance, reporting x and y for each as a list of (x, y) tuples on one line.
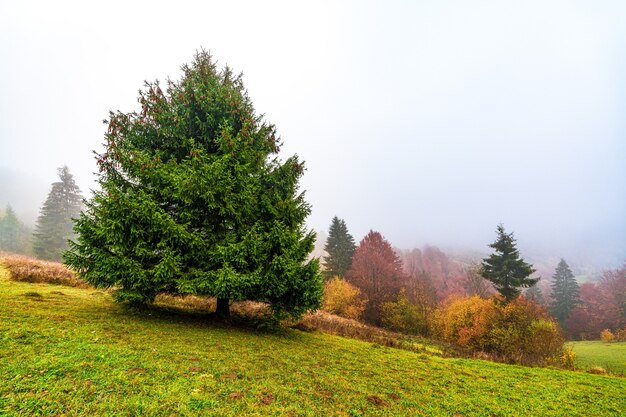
[(340, 247), (55, 223), (194, 200), (505, 269), (565, 292), (535, 294), (14, 235)]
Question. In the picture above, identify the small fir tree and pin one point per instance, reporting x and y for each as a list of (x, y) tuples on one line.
[(340, 248), (535, 295), (565, 292), (55, 223), (505, 269), (14, 235), (194, 200)]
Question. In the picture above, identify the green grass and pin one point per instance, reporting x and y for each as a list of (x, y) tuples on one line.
[(70, 351), (610, 356)]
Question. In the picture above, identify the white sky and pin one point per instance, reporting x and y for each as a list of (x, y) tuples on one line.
[(429, 121)]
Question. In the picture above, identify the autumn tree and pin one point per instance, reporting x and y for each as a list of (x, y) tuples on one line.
[(55, 222), (505, 268), (194, 200), (446, 275), (613, 284), (474, 283), (377, 271), (595, 312), (14, 235), (340, 248), (565, 292)]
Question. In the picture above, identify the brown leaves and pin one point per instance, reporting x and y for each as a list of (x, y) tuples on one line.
[(267, 399), (377, 401)]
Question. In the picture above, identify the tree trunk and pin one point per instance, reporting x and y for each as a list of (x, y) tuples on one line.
[(223, 308)]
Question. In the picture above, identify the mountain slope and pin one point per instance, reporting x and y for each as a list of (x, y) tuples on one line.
[(70, 351)]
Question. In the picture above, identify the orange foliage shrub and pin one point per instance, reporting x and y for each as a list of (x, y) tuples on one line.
[(465, 321), (519, 332), (607, 336), (343, 299)]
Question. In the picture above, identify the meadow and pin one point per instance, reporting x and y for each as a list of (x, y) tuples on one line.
[(68, 351), (608, 356)]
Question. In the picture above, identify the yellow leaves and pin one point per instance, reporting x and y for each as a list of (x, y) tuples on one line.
[(343, 299)]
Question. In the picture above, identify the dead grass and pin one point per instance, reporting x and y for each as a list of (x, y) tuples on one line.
[(23, 268), (332, 324)]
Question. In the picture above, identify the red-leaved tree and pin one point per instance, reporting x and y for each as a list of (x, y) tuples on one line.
[(377, 271), (613, 284), (603, 306), (447, 276)]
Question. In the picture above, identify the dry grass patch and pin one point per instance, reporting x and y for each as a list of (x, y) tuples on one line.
[(332, 324), (25, 269)]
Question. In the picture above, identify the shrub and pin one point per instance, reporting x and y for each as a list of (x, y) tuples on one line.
[(464, 321), (620, 335), (523, 332), (598, 370), (403, 316), (607, 336), (567, 358), (519, 331), (343, 299), (23, 268)]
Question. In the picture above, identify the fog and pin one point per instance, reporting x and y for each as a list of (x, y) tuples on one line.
[(430, 122)]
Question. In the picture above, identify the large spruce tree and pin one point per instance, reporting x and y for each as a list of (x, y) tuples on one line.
[(565, 292), (340, 247), (194, 200), (505, 269), (55, 223)]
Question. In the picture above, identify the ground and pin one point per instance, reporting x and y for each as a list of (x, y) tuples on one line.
[(609, 356), (70, 351)]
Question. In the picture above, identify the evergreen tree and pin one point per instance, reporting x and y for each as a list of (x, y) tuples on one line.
[(565, 292), (535, 294), (340, 248), (505, 269), (14, 235), (194, 200), (55, 221)]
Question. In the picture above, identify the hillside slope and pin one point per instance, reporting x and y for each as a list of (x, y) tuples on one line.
[(69, 351)]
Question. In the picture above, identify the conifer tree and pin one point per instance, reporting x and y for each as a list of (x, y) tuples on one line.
[(340, 248), (55, 223), (14, 235), (194, 200), (535, 294), (505, 269), (565, 292)]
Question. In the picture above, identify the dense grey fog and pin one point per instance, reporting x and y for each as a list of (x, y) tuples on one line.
[(430, 122)]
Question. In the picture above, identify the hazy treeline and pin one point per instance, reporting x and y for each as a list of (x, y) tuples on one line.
[(420, 280)]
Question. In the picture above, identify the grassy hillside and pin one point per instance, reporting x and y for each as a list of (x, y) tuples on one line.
[(609, 356), (70, 351)]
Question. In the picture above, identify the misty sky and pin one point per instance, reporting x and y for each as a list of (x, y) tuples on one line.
[(428, 121)]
